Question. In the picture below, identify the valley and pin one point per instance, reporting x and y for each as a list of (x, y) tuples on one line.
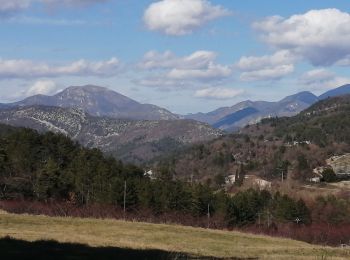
[(72, 164), (140, 133), (293, 146), (130, 140), (174, 129)]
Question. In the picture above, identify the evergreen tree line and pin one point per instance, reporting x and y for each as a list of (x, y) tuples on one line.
[(46, 167), (324, 123)]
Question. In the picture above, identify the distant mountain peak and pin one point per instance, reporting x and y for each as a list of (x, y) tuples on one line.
[(93, 90), (130, 140), (304, 96), (100, 101), (342, 90), (251, 112), (89, 89)]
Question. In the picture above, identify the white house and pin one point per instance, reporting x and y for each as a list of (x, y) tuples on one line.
[(315, 179), (260, 183), (231, 179), (149, 174)]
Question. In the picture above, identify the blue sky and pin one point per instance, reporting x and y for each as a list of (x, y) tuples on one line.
[(184, 55)]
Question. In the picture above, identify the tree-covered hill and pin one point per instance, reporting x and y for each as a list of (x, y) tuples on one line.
[(43, 166), (135, 141), (50, 167), (50, 174), (324, 123), (292, 146)]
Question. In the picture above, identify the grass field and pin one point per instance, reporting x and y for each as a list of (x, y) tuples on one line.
[(109, 234)]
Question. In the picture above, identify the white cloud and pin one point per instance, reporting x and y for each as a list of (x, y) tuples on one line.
[(322, 79), (32, 69), (344, 62), (319, 36), (317, 75), (268, 67), (170, 70), (218, 93), (44, 87), (251, 63), (180, 17), (20, 90), (8, 7), (162, 83), (211, 72), (268, 73), (197, 60)]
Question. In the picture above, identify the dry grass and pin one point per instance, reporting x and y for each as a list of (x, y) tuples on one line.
[(188, 240), (344, 185)]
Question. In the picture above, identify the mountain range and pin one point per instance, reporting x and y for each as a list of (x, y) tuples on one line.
[(135, 132), (294, 145), (129, 140), (98, 101), (251, 112)]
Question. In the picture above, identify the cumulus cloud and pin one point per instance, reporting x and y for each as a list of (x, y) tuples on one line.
[(319, 36), (317, 75), (169, 69), (31, 69), (211, 72), (322, 79), (44, 87), (218, 93), (268, 73), (180, 17), (267, 67), (251, 63), (197, 60), (20, 91)]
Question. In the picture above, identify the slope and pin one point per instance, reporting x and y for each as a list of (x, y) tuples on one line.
[(343, 90), (288, 106), (294, 145), (129, 140), (99, 101), (131, 235)]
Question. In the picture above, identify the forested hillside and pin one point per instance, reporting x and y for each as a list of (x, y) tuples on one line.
[(324, 123), (50, 174), (44, 166), (129, 140), (292, 146), (47, 167)]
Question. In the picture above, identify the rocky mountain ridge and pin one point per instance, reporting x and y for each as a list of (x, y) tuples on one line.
[(98, 101), (130, 140), (251, 112)]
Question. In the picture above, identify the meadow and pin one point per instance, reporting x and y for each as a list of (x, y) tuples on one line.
[(78, 238)]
